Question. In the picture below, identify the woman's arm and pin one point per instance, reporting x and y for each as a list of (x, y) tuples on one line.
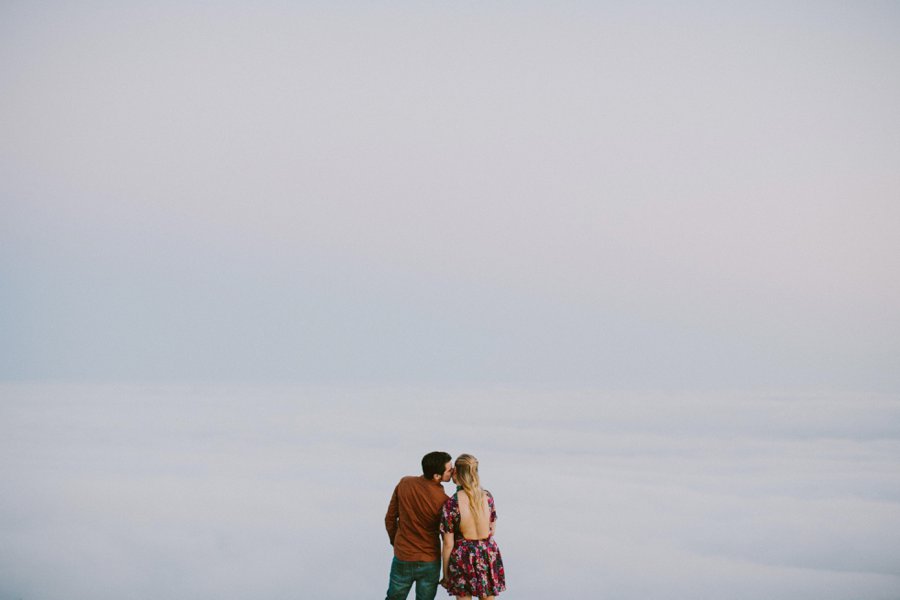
[(493, 510), (445, 557)]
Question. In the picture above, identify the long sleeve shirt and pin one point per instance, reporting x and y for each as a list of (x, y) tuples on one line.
[(413, 518)]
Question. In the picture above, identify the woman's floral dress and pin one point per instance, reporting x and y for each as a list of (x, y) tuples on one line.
[(476, 568)]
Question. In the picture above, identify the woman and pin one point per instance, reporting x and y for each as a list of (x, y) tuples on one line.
[(471, 558)]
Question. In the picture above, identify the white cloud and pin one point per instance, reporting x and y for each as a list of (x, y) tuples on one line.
[(231, 491)]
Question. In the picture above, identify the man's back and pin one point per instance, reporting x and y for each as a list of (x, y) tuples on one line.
[(413, 517)]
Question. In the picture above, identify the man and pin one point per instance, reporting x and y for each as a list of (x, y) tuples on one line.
[(412, 522)]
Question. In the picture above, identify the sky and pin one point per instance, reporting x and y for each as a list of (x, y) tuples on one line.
[(666, 195)]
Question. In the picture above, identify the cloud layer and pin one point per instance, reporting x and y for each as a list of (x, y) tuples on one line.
[(233, 492)]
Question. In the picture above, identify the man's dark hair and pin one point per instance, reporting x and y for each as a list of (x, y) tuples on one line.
[(433, 464)]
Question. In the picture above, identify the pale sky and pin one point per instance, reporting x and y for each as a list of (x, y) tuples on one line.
[(683, 195)]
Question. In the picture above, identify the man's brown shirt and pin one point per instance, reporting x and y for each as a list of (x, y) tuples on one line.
[(413, 517)]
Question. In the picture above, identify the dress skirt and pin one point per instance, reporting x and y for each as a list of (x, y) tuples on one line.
[(476, 569)]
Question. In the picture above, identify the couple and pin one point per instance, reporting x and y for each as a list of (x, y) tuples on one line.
[(420, 510)]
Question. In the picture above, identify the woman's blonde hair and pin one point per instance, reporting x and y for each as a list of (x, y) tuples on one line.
[(467, 477)]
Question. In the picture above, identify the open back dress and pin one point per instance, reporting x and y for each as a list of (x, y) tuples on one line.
[(476, 567)]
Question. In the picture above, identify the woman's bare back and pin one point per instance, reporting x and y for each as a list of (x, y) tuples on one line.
[(471, 529)]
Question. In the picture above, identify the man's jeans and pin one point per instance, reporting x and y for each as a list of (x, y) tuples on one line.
[(426, 575)]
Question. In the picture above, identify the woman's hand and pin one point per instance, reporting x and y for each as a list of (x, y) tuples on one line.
[(445, 583)]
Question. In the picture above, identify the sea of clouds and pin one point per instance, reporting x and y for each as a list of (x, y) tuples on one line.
[(233, 492)]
